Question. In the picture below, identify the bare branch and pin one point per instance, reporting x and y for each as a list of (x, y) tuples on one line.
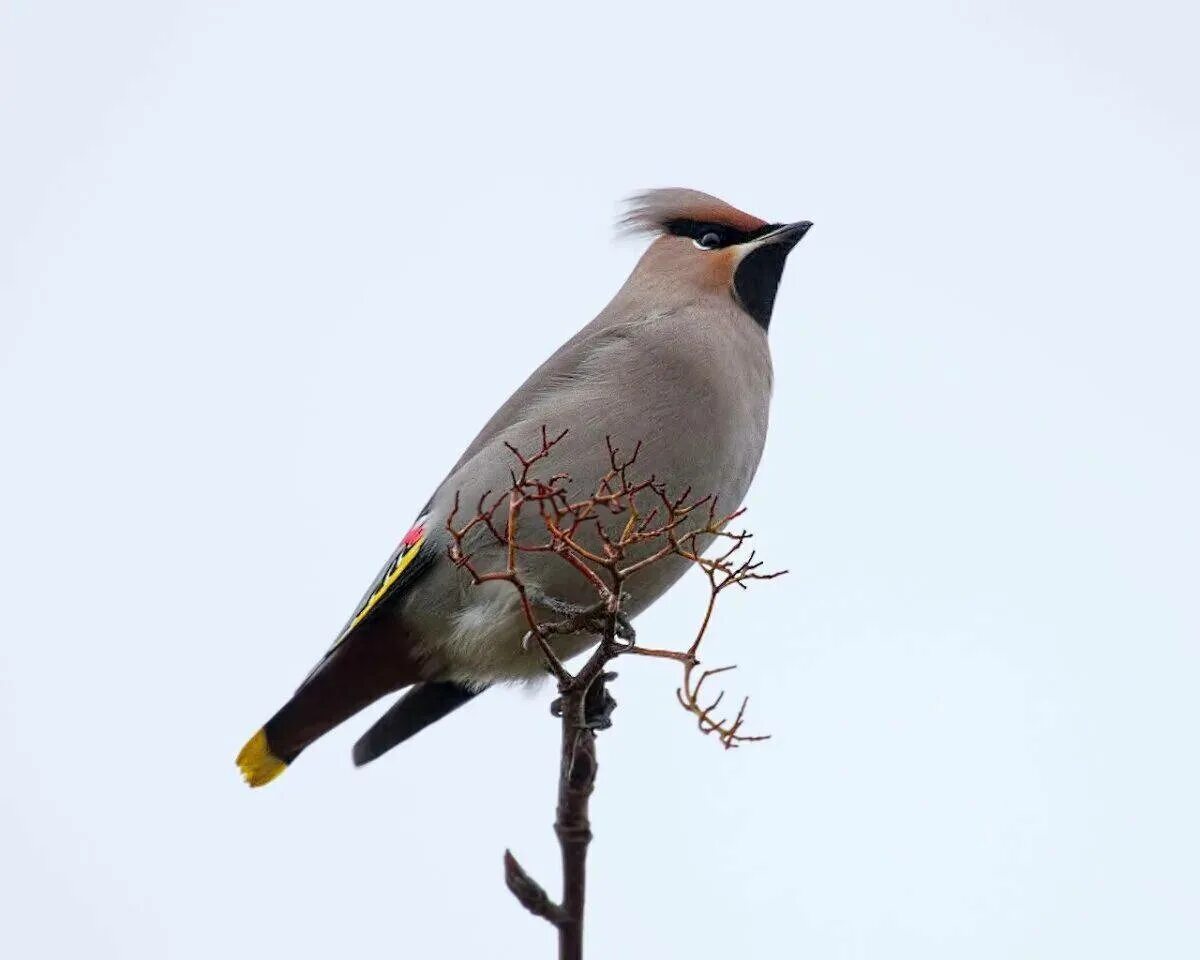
[(607, 540)]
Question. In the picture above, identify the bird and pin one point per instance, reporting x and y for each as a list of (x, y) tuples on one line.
[(678, 361)]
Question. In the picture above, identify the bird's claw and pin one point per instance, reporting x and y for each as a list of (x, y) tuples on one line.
[(598, 704), (578, 618)]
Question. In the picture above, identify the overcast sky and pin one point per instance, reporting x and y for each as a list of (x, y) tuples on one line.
[(260, 265)]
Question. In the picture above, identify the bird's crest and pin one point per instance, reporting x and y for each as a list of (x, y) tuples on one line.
[(655, 211)]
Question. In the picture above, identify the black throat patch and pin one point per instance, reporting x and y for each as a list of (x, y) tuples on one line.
[(756, 281)]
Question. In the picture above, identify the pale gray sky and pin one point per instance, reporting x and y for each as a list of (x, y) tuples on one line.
[(257, 262)]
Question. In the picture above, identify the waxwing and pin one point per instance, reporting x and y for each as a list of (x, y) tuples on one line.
[(678, 361)]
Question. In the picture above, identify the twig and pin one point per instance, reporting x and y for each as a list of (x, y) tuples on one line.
[(605, 556)]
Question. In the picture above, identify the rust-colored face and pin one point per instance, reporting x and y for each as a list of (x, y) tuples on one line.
[(709, 270), (715, 248)]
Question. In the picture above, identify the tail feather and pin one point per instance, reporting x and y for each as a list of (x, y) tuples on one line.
[(370, 664), (258, 764), (420, 706)]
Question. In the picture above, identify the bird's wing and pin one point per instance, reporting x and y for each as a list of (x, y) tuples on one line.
[(414, 554), (411, 557)]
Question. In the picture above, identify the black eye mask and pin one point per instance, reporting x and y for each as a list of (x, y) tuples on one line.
[(727, 236)]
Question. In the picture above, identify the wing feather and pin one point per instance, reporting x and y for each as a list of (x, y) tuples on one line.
[(405, 563)]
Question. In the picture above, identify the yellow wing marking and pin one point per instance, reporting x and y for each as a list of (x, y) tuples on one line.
[(403, 557)]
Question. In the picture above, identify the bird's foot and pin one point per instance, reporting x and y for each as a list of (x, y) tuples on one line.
[(598, 704), (625, 632), (578, 618)]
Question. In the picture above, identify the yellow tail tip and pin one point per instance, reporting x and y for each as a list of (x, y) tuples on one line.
[(258, 764)]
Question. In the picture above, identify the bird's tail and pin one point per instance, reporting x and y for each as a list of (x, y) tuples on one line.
[(417, 708), (366, 667)]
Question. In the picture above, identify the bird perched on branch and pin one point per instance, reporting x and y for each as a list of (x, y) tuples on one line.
[(678, 361)]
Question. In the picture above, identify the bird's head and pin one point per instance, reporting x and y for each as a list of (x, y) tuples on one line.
[(704, 246)]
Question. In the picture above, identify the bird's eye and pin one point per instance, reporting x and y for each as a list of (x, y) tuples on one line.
[(708, 241)]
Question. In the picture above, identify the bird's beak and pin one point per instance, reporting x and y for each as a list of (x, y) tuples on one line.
[(786, 236), (781, 240)]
